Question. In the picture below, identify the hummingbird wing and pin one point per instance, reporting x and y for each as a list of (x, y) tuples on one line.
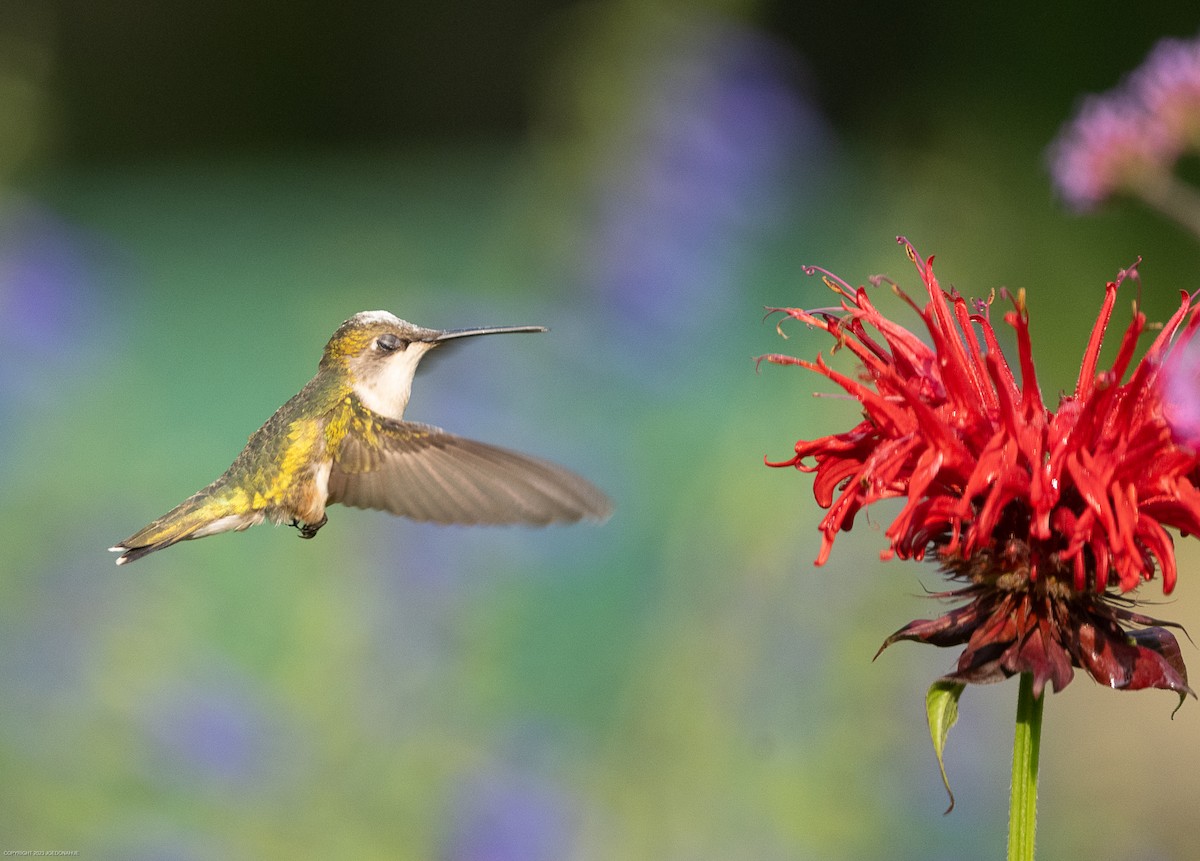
[(424, 473)]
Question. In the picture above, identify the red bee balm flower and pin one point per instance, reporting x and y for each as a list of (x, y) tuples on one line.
[(1047, 517)]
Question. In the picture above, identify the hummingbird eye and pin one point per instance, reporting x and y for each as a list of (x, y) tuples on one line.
[(389, 343)]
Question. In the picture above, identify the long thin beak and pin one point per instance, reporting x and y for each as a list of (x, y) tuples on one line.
[(449, 334)]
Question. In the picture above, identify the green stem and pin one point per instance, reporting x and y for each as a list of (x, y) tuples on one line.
[(1022, 814), (1173, 198)]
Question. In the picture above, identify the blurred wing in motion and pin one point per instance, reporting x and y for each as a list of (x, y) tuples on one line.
[(424, 473)]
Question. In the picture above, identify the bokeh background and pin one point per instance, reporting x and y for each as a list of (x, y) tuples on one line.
[(193, 196)]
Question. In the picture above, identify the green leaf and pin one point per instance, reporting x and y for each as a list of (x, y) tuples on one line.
[(941, 709)]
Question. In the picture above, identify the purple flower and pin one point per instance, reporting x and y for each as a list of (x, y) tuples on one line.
[(1168, 87), (1110, 145), (509, 817), (1129, 138), (1181, 393), (49, 315), (698, 166), (215, 732)]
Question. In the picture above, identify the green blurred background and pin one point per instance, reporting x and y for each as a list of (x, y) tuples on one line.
[(193, 196)]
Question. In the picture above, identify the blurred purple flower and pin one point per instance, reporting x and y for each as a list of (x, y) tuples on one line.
[(1129, 138), (1168, 86), (1111, 144), (214, 732), (716, 125), (48, 306), (509, 816), (1181, 393)]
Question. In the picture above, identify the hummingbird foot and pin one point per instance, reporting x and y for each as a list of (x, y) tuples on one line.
[(309, 530)]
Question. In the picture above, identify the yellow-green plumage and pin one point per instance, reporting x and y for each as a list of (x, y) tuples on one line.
[(266, 481)]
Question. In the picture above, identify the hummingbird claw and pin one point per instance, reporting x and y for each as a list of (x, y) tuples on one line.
[(309, 530)]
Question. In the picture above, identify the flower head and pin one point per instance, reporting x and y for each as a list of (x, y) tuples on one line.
[(1112, 145), (1047, 518), (1168, 85), (1129, 139)]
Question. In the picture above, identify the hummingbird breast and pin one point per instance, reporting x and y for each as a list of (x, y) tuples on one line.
[(305, 501), (296, 491), (283, 472)]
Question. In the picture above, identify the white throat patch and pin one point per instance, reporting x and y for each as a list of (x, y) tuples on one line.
[(387, 391)]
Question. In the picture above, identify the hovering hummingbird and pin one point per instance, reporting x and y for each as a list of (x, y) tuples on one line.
[(343, 438)]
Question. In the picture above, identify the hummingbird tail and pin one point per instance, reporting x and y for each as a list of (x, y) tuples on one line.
[(129, 554), (196, 517)]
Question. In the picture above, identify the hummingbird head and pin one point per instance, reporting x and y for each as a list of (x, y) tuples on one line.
[(379, 354)]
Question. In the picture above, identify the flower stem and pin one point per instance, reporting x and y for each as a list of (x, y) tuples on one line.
[(1022, 813), (1173, 198)]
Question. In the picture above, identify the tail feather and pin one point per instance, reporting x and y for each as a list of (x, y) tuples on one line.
[(195, 517), (129, 554)]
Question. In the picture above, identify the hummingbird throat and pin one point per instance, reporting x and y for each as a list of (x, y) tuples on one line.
[(384, 387)]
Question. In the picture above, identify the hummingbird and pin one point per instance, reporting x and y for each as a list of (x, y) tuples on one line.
[(343, 438)]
